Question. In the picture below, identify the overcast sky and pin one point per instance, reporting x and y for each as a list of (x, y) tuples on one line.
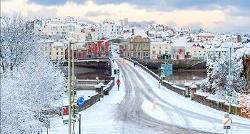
[(213, 15)]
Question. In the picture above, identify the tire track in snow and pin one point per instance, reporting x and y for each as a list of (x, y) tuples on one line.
[(147, 122), (149, 88)]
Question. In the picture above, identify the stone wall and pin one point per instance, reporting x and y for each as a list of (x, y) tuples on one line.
[(217, 104), (167, 84), (200, 98)]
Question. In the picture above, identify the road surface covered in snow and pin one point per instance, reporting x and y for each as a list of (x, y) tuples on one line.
[(174, 109)]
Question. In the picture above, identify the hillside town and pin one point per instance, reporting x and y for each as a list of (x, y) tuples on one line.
[(150, 43), (141, 41), (146, 41), (124, 67)]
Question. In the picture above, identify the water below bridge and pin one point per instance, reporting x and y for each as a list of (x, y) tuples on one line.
[(180, 77)]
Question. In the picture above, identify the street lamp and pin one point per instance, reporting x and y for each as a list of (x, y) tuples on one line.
[(72, 79), (230, 79)]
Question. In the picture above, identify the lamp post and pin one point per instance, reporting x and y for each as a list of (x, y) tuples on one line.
[(71, 81), (69, 85), (230, 81)]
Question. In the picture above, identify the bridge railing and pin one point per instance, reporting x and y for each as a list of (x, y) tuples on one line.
[(201, 98), (169, 85)]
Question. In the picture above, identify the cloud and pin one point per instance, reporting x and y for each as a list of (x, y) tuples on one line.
[(168, 5), (193, 25), (206, 14), (54, 2), (97, 13), (233, 11), (43, 12), (234, 24)]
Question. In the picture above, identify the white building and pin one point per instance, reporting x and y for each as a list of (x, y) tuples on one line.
[(157, 49), (196, 52), (215, 53), (55, 50), (61, 28), (109, 30)]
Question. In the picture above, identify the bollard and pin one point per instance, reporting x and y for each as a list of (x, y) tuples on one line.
[(187, 90), (193, 88)]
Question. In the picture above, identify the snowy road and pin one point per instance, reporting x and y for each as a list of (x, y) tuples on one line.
[(145, 102), (141, 107), (131, 112)]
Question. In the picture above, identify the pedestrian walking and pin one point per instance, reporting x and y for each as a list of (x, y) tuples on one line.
[(159, 84), (118, 82), (160, 81)]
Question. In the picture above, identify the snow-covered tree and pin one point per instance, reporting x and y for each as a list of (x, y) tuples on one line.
[(224, 85), (29, 85), (17, 42)]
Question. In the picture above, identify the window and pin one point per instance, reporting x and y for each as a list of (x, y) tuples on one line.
[(154, 52), (102, 48)]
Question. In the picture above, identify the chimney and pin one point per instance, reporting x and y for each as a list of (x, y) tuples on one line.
[(133, 31)]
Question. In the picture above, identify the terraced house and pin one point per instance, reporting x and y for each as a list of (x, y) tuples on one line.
[(137, 47)]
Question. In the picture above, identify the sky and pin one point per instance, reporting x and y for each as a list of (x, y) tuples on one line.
[(212, 15)]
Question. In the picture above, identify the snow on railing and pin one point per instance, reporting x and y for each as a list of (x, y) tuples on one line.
[(169, 85)]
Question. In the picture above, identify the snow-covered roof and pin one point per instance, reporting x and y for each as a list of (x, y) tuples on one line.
[(214, 49), (140, 32), (99, 85), (205, 34), (193, 86), (58, 44), (46, 41), (180, 41), (247, 45), (241, 52), (159, 43)]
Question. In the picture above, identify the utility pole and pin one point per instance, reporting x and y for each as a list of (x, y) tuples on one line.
[(80, 118), (230, 78), (69, 85), (73, 84)]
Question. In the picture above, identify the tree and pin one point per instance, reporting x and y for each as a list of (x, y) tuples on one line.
[(219, 82), (17, 42), (30, 84)]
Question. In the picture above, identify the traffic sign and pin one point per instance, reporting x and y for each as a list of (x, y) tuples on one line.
[(167, 69), (227, 121), (80, 101), (65, 110), (118, 71), (66, 121)]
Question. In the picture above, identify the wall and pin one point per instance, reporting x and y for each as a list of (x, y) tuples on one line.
[(200, 98), (167, 84)]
